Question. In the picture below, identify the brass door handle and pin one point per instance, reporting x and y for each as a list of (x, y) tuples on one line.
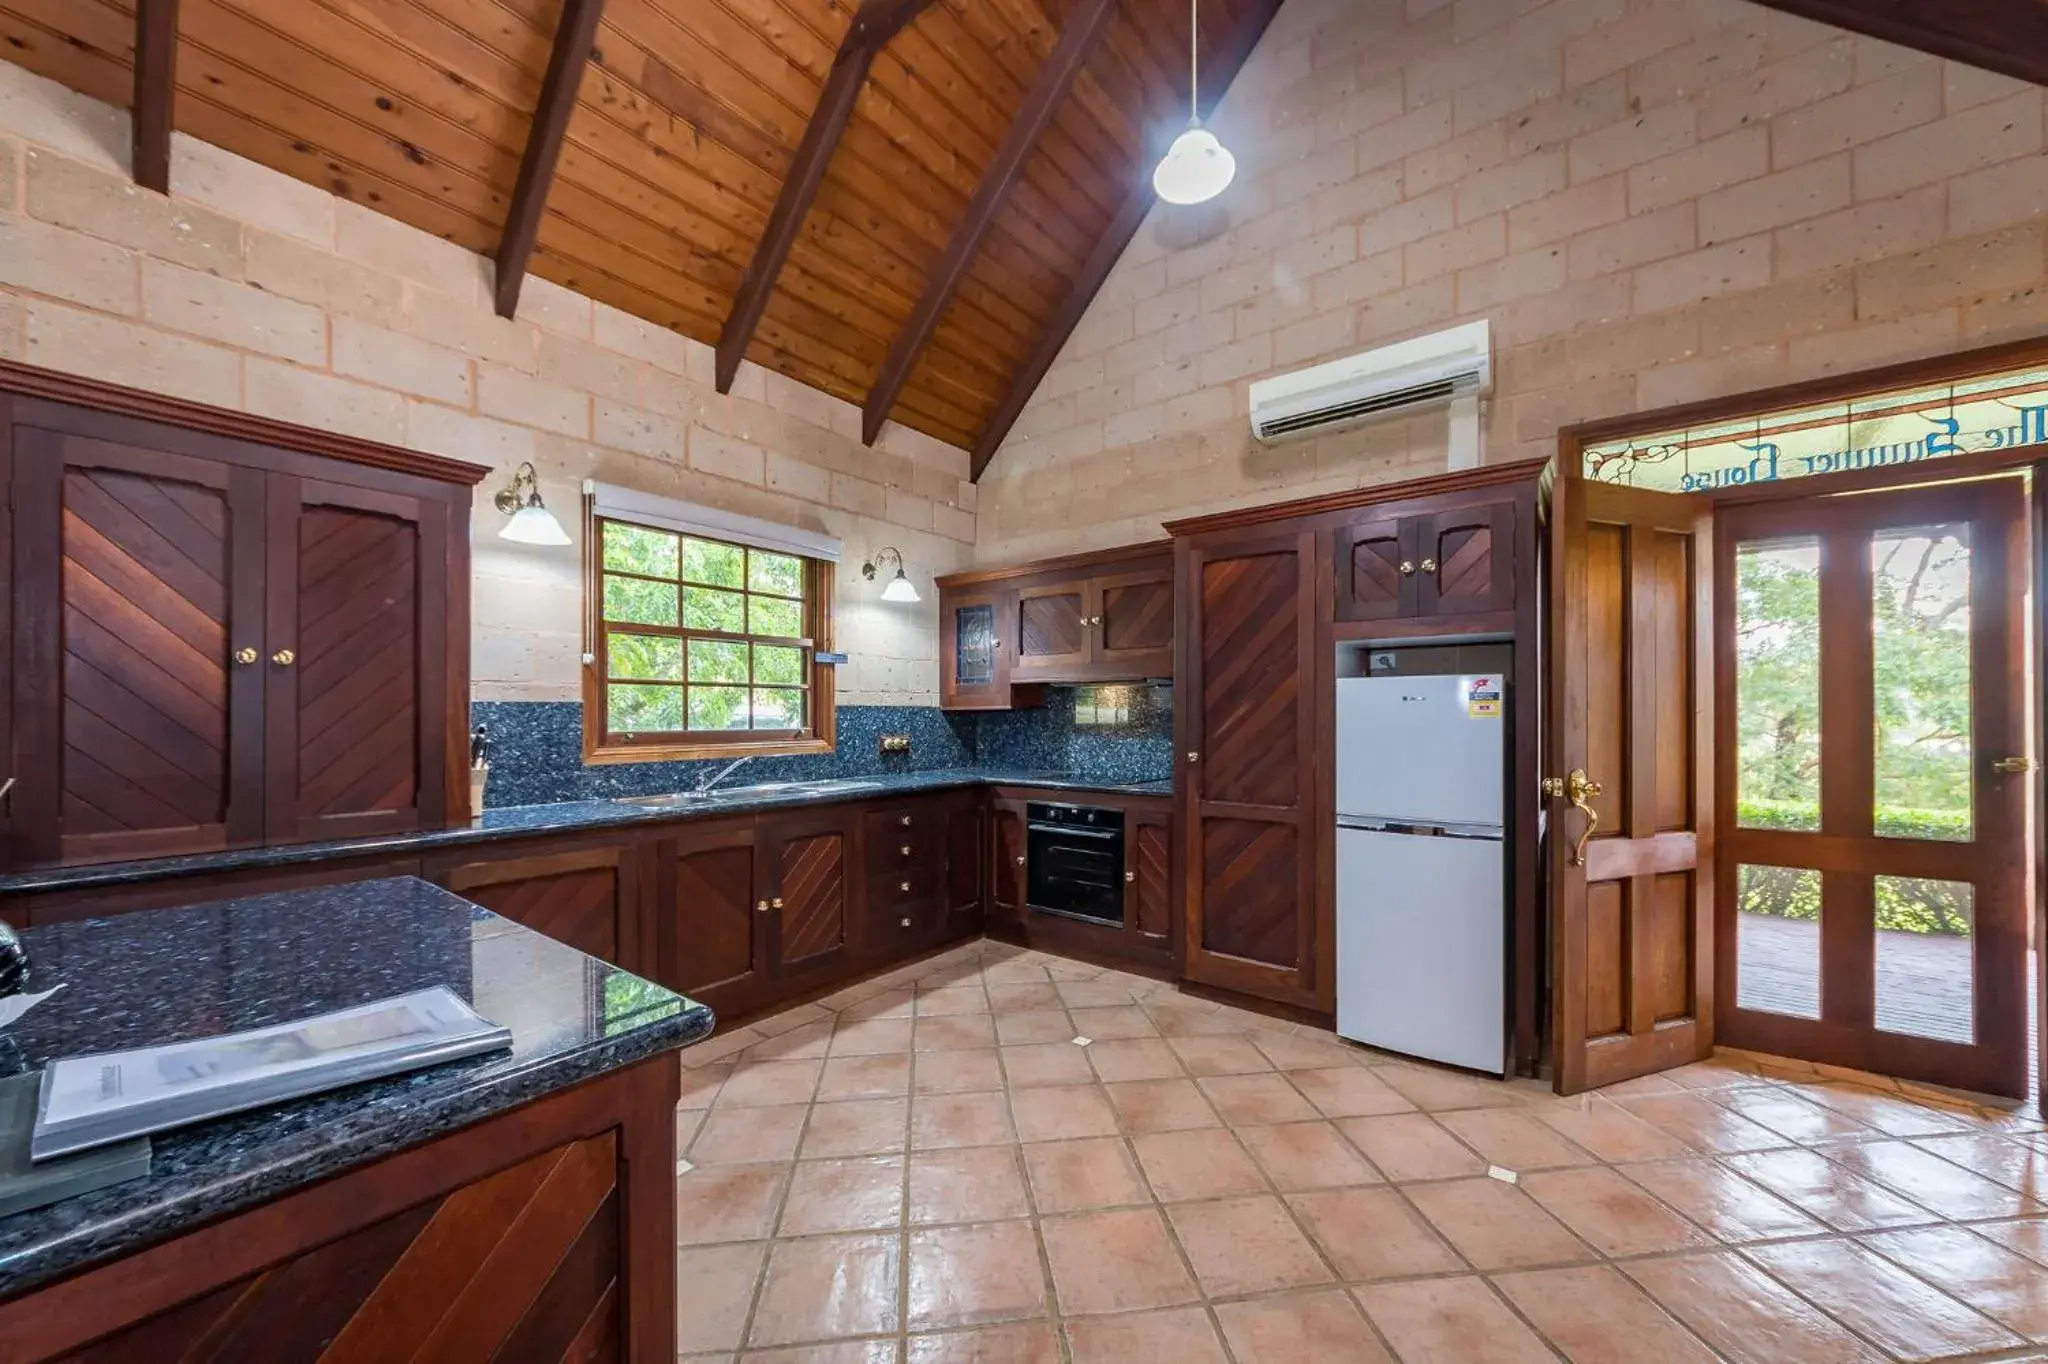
[(1580, 790), (284, 658), (2013, 766), (245, 655)]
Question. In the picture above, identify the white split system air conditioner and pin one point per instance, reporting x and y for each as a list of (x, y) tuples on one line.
[(1429, 371)]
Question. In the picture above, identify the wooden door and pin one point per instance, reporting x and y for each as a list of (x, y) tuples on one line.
[(805, 869), (356, 708), (1871, 695), (1053, 636), (1375, 560), (714, 929), (137, 582), (1632, 941), (1465, 561), (588, 898), (1007, 861), (964, 850), (1133, 623), (977, 633), (1248, 756), (1148, 859)]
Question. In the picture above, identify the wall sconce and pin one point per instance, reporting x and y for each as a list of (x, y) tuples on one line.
[(899, 588), (531, 523)]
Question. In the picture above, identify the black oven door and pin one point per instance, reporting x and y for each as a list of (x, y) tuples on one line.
[(1077, 872)]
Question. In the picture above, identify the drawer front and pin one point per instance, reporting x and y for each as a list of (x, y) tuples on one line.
[(893, 850), (902, 886)]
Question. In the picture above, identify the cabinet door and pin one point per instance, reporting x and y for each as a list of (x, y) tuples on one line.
[(356, 697), (1376, 572), (964, 850), (1053, 636), (715, 917), (1148, 905), (588, 899), (1006, 861), (975, 634), (1133, 623), (805, 867), (1248, 755), (136, 576), (1465, 561)]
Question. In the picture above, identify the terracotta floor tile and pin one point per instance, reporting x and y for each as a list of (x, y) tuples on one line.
[(1703, 1124), (859, 1193), (971, 1184), (871, 1037), (1611, 1214), (735, 1136), (945, 1120), (727, 1203), (1179, 1335), (2008, 1288), (1722, 1202), (1350, 1092), (807, 1042), (834, 1352), (827, 1286), (865, 1077), (956, 1072), (2028, 1237), (952, 999), (1512, 1139), (1046, 1063), (790, 1019), (1496, 1225), (1093, 994), (1930, 1181), (1219, 1056), (961, 1032), (1824, 1190), (1035, 1025), (1296, 1328), (1450, 1321), (1117, 1261), (855, 1127), (1883, 1303), (969, 1276), (1890, 1112), (887, 1003), (1298, 1156), (1246, 1245), (1009, 997), (1178, 1017), (1161, 1105), (688, 1121), (1610, 1132), (714, 1293), (1206, 1163), (1292, 1051), (1117, 1021), (771, 1082), (1407, 1146), (1742, 1312), (1071, 1176), (1050, 1114), (1596, 1316), (1373, 1234), (2015, 1164), (1020, 1342), (1437, 1091), (1133, 1058), (1790, 1115), (1254, 1100), (701, 1085)]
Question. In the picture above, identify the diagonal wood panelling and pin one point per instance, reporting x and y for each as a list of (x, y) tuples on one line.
[(813, 895), (1152, 852), (1138, 616), (580, 908), (1251, 679), (1250, 871)]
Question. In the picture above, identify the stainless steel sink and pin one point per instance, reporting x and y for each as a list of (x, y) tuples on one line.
[(673, 799), (665, 800)]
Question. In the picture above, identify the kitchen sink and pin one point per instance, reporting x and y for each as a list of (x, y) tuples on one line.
[(675, 799)]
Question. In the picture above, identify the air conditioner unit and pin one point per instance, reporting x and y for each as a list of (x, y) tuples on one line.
[(1429, 370)]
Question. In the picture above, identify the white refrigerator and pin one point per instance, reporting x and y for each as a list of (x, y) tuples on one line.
[(1421, 881)]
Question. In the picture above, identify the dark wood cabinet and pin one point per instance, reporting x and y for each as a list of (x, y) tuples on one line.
[(1447, 565), (1148, 861), (905, 873), (1007, 861), (804, 864), (714, 914), (1133, 621), (1054, 633), (589, 898), (966, 854)]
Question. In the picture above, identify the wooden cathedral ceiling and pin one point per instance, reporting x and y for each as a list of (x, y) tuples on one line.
[(919, 265)]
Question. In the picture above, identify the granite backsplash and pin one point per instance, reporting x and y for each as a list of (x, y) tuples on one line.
[(1122, 733)]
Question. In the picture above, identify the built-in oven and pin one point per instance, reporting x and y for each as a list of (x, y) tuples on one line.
[(1076, 861)]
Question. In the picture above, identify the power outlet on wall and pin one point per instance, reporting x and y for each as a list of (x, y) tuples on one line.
[(895, 743)]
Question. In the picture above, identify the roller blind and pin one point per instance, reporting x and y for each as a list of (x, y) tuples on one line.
[(651, 509)]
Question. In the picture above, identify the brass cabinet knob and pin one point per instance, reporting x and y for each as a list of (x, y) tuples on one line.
[(760, 906), (903, 885), (1193, 756), (905, 821), (906, 850), (1407, 568), (1429, 565), (284, 658), (1020, 861), (245, 655), (775, 903), (906, 923), (1129, 877)]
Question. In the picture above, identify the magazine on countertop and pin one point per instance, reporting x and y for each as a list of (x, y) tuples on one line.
[(89, 1101)]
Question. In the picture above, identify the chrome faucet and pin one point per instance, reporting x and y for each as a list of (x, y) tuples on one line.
[(704, 788)]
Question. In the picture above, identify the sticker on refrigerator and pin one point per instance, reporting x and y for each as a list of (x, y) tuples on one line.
[(1482, 698)]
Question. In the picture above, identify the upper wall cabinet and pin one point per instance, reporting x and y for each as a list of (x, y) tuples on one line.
[(1428, 566), (216, 642), (1104, 617)]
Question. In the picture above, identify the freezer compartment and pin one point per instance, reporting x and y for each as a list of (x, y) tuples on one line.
[(1422, 750)]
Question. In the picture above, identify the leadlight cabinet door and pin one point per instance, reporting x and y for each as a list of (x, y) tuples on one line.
[(976, 637), (805, 869), (1054, 632), (136, 583)]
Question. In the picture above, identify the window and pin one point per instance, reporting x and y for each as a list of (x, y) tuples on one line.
[(703, 647)]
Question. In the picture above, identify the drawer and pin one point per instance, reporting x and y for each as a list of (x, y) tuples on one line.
[(902, 885), (892, 822), (892, 851), (903, 923)]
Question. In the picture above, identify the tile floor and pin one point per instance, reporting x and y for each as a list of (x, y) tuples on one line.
[(930, 1167)]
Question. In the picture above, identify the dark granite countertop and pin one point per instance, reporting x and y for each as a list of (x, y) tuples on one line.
[(524, 821), (140, 979)]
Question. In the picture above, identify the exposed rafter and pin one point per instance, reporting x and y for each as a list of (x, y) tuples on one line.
[(1041, 103), (2008, 36), (876, 23), (1235, 50), (156, 79), (575, 37)]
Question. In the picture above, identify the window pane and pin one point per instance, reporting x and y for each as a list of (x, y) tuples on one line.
[(707, 561), (651, 656), (636, 549), (704, 609), (778, 665), (778, 709), (641, 603), (782, 574), (1920, 653), (718, 660), (1777, 940), (1926, 967), (773, 616), (1777, 684), (643, 710), (718, 708)]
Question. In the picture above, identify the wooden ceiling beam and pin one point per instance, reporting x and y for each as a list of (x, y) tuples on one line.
[(873, 26), (1243, 38), (2006, 36), (1048, 90), (156, 81), (575, 38)]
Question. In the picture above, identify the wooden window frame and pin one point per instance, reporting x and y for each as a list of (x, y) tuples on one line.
[(601, 748)]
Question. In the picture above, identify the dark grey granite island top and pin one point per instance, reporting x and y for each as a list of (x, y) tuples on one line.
[(176, 974)]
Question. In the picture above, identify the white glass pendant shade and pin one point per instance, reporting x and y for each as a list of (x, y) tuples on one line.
[(534, 524), (1195, 169), (899, 589)]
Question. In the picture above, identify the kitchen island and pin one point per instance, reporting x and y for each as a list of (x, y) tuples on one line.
[(515, 1205)]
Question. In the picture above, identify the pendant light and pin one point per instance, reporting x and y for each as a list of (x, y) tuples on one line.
[(1196, 168)]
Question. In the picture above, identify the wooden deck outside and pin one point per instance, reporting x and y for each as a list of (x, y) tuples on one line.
[(1923, 980)]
